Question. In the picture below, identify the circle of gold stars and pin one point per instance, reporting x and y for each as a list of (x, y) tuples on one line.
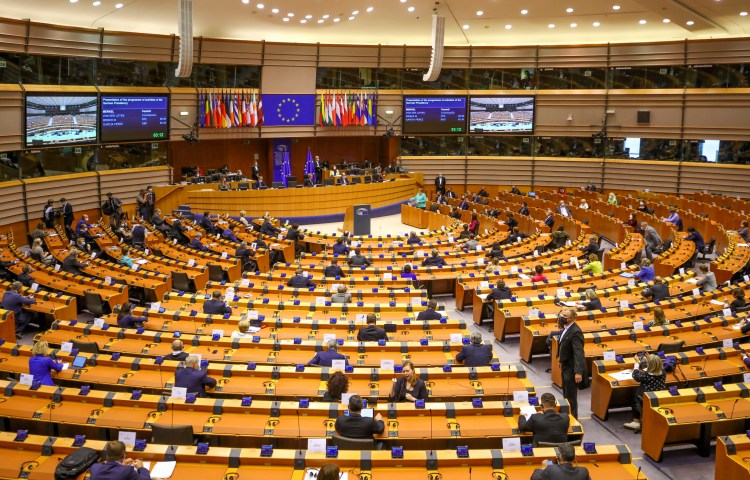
[(296, 110)]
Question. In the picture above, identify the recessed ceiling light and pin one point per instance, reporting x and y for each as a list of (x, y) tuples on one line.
[(666, 20), (403, 1), (411, 9), (479, 13), (336, 20), (274, 10), (286, 19), (642, 22), (321, 21), (303, 21), (326, 16), (573, 25), (569, 10), (73, 1), (96, 3), (352, 17), (119, 5), (260, 6), (245, 1), (508, 27), (743, 14), (465, 27), (308, 16), (524, 12), (596, 24), (551, 25), (690, 23), (290, 14), (355, 12), (370, 9), (615, 7)]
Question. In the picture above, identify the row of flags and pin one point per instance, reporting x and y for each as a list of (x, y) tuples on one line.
[(347, 109), (225, 109)]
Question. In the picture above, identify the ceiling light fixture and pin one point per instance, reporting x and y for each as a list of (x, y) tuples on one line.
[(321, 21), (274, 10), (596, 24), (411, 9), (524, 12), (370, 9), (119, 5), (479, 13), (260, 6), (666, 20), (303, 20), (573, 25), (73, 1), (569, 10), (642, 22), (355, 12), (336, 20), (508, 27), (245, 1), (551, 25), (308, 16), (285, 19), (352, 18), (290, 14), (465, 27), (96, 3), (615, 7), (743, 14), (326, 16), (690, 23)]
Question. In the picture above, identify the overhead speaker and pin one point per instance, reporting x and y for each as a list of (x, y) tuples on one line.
[(185, 28), (644, 116), (438, 43)]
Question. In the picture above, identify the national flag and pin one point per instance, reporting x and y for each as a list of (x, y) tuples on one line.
[(344, 111), (337, 111), (216, 122), (260, 110), (201, 110), (236, 110), (322, 120), (286, 168), (228, 101), (310, 166)]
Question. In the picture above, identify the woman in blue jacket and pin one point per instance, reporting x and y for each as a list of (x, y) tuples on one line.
[(40, 365)]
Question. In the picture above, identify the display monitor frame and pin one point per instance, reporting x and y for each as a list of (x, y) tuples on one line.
[(472, 125), (29, 98), (407, 128), (103, 135)]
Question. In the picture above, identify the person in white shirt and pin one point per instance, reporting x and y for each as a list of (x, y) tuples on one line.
[(242, 329), (583, 205), (243, 220)]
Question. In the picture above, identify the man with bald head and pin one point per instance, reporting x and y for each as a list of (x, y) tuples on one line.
[(192, 378)]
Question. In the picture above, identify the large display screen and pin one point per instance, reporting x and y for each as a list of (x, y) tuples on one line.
[(434, 114), (501, 114), (134, 118), (60, 119)]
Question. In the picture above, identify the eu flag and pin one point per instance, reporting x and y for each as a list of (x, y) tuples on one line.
[(284, 110)]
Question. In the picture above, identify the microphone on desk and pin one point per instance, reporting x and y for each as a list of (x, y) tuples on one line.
[(639, 473), (432, 446), (684, 378), (731, 415), (299, 433)]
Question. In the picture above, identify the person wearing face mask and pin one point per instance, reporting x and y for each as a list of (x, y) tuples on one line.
[(409, 387), (571, 357)]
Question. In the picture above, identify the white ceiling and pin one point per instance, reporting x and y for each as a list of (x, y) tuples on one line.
[(390, 22)]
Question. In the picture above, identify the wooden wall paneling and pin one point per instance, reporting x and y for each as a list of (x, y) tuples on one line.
[(349, 56), (665, 107), (554, 172), (725, 50), (288, 79), (573, 56), (453, 168), (553, 107), (731, 180), (237, 154), (500, 172), (391, 56), (456, 57), (12, 35), (39, 190), (232, 52), (392, 101), (630, 174), (714, 114), (635, 54), (12, 114), (183, 100), (290, 54), (503, 57), (132, 46), (11, 197), (418, 57), (126, 183), (47, 39)]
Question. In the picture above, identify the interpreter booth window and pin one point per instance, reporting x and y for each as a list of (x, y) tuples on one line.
[(499, 79), (718, 76), (572, 78), (46, 70), (48, 162), (117, 73), (449, 79), (8, 166), (226, 76), (133, 155), (438, 146), (651, 149), (388, 78), (731, 151), (334, 77), (10, 67), (649, 77), (501, 146), (571, 147)]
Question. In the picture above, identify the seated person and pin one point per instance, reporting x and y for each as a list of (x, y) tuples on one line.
[(333, 270), (177, 232), (337, 384), (207, 224), (228, 234), (138, 235), (565, 467), (125, 318), (72, 265), (117, 467), (548, 426), (158, 222), (419, 200), (430, 313), (260, 184), (83, 222), (660, 319), (413, 239), (658, 291), (243, 253), (177, 354), (243, 220), (496, 251), (590, 301), (590, 248), (38, 253), (355, 425), (559, 237), (309, 181), (471, 244), (342, 295), (409, 387), (340, 247), (539, 275), (243, 327), (196, 243), (371, 333), (41, 366), (216, 305), (406, 272), (192, 378), (300, 280), (358, 260), (594, 266), (646, 273), (695, 237), (267, 228), (476, 354), (516, 236), (465, 232), (434, 260), (294, 235), (25, 277), (511, 222), (737, 293), (325, 358), (706, 279)]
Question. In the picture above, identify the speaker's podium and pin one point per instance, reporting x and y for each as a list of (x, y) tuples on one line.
[(357, 219)]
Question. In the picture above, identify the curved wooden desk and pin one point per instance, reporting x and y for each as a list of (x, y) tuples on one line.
[(301, 202)]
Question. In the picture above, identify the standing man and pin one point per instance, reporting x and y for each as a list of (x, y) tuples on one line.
[(150, 202), (440, 183), (653, 240), (114, 206), (67, 212), (318, 170), (255, 171), (571, 357), (48, 214)]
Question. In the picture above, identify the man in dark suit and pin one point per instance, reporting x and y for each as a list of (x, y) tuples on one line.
[(359, 260), (177, 354), (516, 191), (591, 247), (268, 229), (464, 205), (476, 354), (196, 242), (564, 209), (71, 264), (524, 210), (260, 183), (309, 182), (300, 280), (255, 171), (294, 235), (571, 357), (158, 222), (450, 193), (548, 426), (430, 313), (550, 220), (215, 305), (440, 183), (355, 425), (500, 292), (326, 358), (333, 270), (243, 253), (434, 260), (658, 291), (564, 469), (14, 301), (67, 212), (207, 224), (192, 378), (117, 467), (318, 169), (340, 247), (371, 333)]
